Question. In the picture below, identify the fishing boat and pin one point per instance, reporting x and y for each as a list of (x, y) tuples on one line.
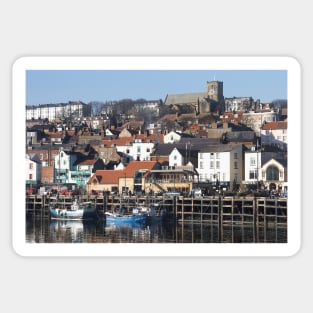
[(133, 218), (74, 211)]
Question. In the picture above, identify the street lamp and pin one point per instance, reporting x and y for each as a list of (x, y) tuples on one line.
[(125, 182), (257, 160)]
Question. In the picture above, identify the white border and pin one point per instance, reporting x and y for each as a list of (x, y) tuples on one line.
[(157, 63)]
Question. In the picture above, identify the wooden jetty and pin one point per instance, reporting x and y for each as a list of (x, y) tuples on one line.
[(210, 209)]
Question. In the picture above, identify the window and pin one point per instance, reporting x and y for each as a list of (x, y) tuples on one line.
[(252, 162), (138, 150), (31, 166), (211, 164), (235, 177), (217, 155), (235, 165), (236, 155), (218, 164), (30, 176), (201, 164), (201, 155), (272, 173), (253, 174)]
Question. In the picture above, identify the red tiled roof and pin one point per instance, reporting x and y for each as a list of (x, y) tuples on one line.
[(153, 137), (118, 142), (87, 162), (274, 125), (143, 137), (107, 176), (138, 165)]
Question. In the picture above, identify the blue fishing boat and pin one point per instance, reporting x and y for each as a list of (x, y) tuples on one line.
[(75, 211), (134, 218)]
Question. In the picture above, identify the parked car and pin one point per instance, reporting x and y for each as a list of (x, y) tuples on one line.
[(196, 192), (30, 191), (67, 192), (171, 193), (95, 192)]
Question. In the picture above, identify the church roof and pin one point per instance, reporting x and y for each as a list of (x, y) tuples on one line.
[(184, 98)]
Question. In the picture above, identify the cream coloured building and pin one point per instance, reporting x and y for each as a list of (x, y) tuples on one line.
[(221, 163)]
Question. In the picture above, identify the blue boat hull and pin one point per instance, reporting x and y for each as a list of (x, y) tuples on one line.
[(126, 219)]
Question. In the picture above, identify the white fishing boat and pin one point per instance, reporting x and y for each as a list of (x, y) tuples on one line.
[(74, 211)]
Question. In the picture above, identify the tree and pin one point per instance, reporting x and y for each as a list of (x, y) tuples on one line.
[(96, 107)]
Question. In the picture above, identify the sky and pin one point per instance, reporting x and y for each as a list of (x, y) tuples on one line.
[(62, 86)]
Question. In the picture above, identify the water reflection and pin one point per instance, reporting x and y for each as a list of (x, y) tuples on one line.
[(57, 231)]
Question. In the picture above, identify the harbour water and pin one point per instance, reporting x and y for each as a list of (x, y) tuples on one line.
[(46, 230)]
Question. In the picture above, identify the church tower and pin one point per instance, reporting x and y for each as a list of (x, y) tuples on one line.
[(215, 96), (215, 91)]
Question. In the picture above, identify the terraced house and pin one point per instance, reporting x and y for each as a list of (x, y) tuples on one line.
[(221, 165)]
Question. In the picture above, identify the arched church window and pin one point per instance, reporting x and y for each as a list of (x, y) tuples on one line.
[(272, 173)]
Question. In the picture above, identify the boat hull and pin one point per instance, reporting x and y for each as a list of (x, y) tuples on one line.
[(80, 213), (125, 219)]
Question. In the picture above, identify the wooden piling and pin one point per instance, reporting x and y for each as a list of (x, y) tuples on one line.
[(219, 210)]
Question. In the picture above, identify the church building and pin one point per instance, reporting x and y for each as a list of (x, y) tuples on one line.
[(204, 102)]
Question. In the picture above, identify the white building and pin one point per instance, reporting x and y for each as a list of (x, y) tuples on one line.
[(275, 134), (137, 150), (32, 169), (268, 168), (255, 120), (239, 104), (274, 174), (221, 164), (176, 158), (172, 137), (252, 166), (61, 110), (63, 163)]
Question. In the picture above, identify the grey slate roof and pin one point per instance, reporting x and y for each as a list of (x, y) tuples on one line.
[(193, 145), (184, 98), (240, 136), (218, 148), (267, 156)]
